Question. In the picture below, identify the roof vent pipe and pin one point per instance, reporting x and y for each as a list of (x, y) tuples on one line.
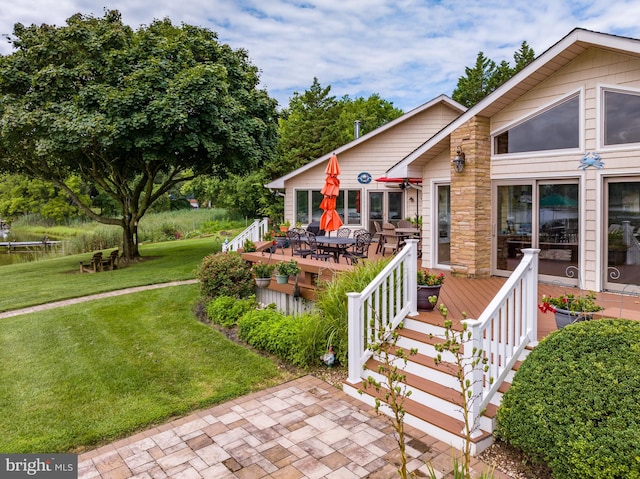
[(356, 129)]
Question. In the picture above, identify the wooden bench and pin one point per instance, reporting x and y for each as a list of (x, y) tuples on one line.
[(111, 261), (94, 265)]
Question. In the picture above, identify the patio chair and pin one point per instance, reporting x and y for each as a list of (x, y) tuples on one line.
[(380, 237), (390, 240), (404, 224), (298, 247), (343, 233), (314, 227), (360, 250), (316, 251), (359, 232)]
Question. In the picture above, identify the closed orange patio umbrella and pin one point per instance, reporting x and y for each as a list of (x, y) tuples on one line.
[(330, 219)]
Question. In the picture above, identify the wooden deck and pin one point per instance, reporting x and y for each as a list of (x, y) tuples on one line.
[(472, 296)]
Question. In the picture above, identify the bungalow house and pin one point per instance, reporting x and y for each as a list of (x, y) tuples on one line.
[(550, 160)]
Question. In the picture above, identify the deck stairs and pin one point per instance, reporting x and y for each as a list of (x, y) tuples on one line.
[(435, 404), (502, 335)]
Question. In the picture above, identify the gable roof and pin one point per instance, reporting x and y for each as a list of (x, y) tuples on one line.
[(280, 182), (553, 59)]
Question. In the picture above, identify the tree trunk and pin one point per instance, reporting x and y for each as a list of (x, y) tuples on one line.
[(130, 241)]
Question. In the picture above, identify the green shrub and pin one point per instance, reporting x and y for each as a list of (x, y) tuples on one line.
[(271, 331), (225, 274), (226, 311), (574, 402), (332, 302)]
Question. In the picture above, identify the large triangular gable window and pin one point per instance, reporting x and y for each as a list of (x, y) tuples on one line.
[(621, 118), (556, 128)]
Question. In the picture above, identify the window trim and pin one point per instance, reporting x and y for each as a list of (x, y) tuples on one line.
[(546, 107), (345, 206), (600, 114)]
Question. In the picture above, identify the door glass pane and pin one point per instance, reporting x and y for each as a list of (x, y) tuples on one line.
[(558, 229), (513, 223), (623, 232), (316, 199), (444, 225), (353, 207), (375, 209), (302, 206), (395, 199)]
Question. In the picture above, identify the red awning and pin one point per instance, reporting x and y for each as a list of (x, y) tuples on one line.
[(384, 179)]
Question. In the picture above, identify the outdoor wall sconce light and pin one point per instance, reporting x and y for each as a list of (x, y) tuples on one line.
[(458, 161)]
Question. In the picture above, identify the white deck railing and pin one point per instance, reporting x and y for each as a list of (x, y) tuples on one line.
[(382, 305), (254, 232), (502, 331)]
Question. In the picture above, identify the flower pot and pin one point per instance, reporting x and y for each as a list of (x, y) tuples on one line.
[(284, 228), (282, 242), (282, 278), (424, 292), (565, 317), (263, 282)]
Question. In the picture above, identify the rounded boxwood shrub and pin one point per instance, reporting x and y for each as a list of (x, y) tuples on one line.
[(226, 311), (225, 274), (574, 403)]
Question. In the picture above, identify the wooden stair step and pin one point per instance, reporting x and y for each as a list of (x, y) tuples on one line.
[(435, 389), (427, 414)]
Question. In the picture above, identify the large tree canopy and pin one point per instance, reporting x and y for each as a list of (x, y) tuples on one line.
[(486, 76), (132, 113)]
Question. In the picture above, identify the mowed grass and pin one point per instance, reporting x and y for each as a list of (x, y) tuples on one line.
[(79, 376), (28, 284)]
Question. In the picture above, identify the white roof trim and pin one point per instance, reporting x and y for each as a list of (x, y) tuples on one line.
[(623, 44), (279, 183)]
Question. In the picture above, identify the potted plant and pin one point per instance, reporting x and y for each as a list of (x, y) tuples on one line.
[(284, 226), (284, 269), (569, 308), (267, 236), (429, 285), (280, 237), (262, 273)]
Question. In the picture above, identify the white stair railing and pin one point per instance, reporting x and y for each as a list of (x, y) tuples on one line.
[(502, 331), (382, 305), (254, 232)]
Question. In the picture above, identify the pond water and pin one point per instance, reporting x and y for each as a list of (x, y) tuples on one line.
[(17, 257)]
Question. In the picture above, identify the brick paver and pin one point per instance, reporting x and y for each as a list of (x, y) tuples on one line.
[(301, 429)]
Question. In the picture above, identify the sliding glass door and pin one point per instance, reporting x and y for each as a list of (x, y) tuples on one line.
[(622, 249), (538, 214)]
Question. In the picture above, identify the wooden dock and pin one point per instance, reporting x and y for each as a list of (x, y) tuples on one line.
[(27, 246)]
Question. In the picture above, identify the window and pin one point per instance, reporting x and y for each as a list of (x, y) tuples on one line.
[(621, 118), (308, 209), (554, 129)]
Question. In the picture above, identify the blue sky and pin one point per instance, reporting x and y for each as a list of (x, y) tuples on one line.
[(407, 51)]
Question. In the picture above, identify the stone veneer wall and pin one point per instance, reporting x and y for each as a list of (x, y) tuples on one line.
[(471, 201)]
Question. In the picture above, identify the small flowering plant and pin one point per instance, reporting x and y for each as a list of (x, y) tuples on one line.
[(262, 270), (427, 278), (570, 302)]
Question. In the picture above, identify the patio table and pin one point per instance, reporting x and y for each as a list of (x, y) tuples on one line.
[(335, 245)]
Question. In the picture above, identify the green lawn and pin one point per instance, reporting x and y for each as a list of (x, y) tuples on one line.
[(28, 284), (79, 376)]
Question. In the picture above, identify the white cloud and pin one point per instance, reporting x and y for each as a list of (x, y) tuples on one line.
[(408, 51)]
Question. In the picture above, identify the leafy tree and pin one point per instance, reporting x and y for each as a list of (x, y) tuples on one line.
[(477, 83), (20, 195), (133, 113), (306, 129), (316, 123), (523, 57), (486, 76)]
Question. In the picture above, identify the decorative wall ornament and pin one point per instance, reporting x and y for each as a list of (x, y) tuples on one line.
[(591, 159), (364, 178)]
